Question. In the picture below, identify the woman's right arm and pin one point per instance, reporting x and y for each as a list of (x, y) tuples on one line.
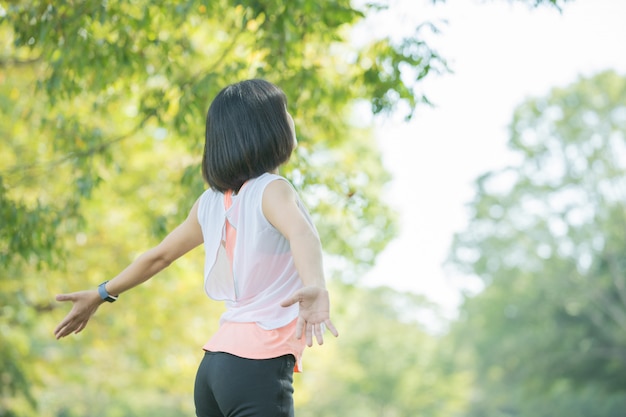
[(181, 240)]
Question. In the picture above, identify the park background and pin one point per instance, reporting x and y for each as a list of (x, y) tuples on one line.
[(475, 248)]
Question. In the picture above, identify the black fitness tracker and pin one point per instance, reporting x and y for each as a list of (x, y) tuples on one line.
[(104, 294)]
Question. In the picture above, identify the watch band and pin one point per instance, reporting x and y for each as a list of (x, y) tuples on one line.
[(104, 294)]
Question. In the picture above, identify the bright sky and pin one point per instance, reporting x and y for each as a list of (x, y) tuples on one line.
[(501, 54)]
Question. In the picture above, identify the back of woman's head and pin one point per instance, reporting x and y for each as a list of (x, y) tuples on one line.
[(247, 134)]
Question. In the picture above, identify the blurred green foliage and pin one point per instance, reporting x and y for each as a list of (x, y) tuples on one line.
[(548, 240), (102, 108), (103, 105)]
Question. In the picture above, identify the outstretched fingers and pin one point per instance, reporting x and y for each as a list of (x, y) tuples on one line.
[(320, 329), (305, 328), (300, 328), (313, 319), (61, 330), (316, 330), (65, 297), (331, 328), (84, 305), (69, 325)]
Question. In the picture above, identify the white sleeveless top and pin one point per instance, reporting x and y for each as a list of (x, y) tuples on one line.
[(263, 272)]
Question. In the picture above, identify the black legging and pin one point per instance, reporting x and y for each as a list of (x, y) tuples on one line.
[(230, 386)]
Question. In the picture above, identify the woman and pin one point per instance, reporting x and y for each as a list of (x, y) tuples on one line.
[(263, 259)]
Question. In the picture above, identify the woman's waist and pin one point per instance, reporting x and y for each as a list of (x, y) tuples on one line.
[(266, 315)]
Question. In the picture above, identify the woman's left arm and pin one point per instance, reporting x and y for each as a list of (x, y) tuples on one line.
[(280, 207)]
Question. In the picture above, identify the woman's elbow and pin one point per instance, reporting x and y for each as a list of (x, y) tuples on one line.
[(159, 259)]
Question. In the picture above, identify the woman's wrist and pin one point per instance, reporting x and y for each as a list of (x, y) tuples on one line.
[(104, 293), (96, 297)]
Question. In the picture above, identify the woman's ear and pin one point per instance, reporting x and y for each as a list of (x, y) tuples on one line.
[(292, 125)]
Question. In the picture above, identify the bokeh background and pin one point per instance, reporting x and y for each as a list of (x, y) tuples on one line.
[(465, 163)]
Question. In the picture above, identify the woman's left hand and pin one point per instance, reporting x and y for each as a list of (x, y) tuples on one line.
[(314, 313)]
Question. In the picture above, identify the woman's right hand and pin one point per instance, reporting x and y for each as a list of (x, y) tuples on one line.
[(85, 304)]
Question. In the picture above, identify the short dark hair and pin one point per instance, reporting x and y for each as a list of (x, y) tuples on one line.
[(247, 134)]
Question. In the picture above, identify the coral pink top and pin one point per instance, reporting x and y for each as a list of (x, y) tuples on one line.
[(254, 326), (248, 340)]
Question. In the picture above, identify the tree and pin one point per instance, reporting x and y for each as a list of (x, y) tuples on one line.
[(70, 70), (103, 106), (91, 90), (384, 365), (160, 63), (547, 239)]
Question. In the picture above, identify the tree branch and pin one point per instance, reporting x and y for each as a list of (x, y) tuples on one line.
[(47, 165), (15, 62)]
